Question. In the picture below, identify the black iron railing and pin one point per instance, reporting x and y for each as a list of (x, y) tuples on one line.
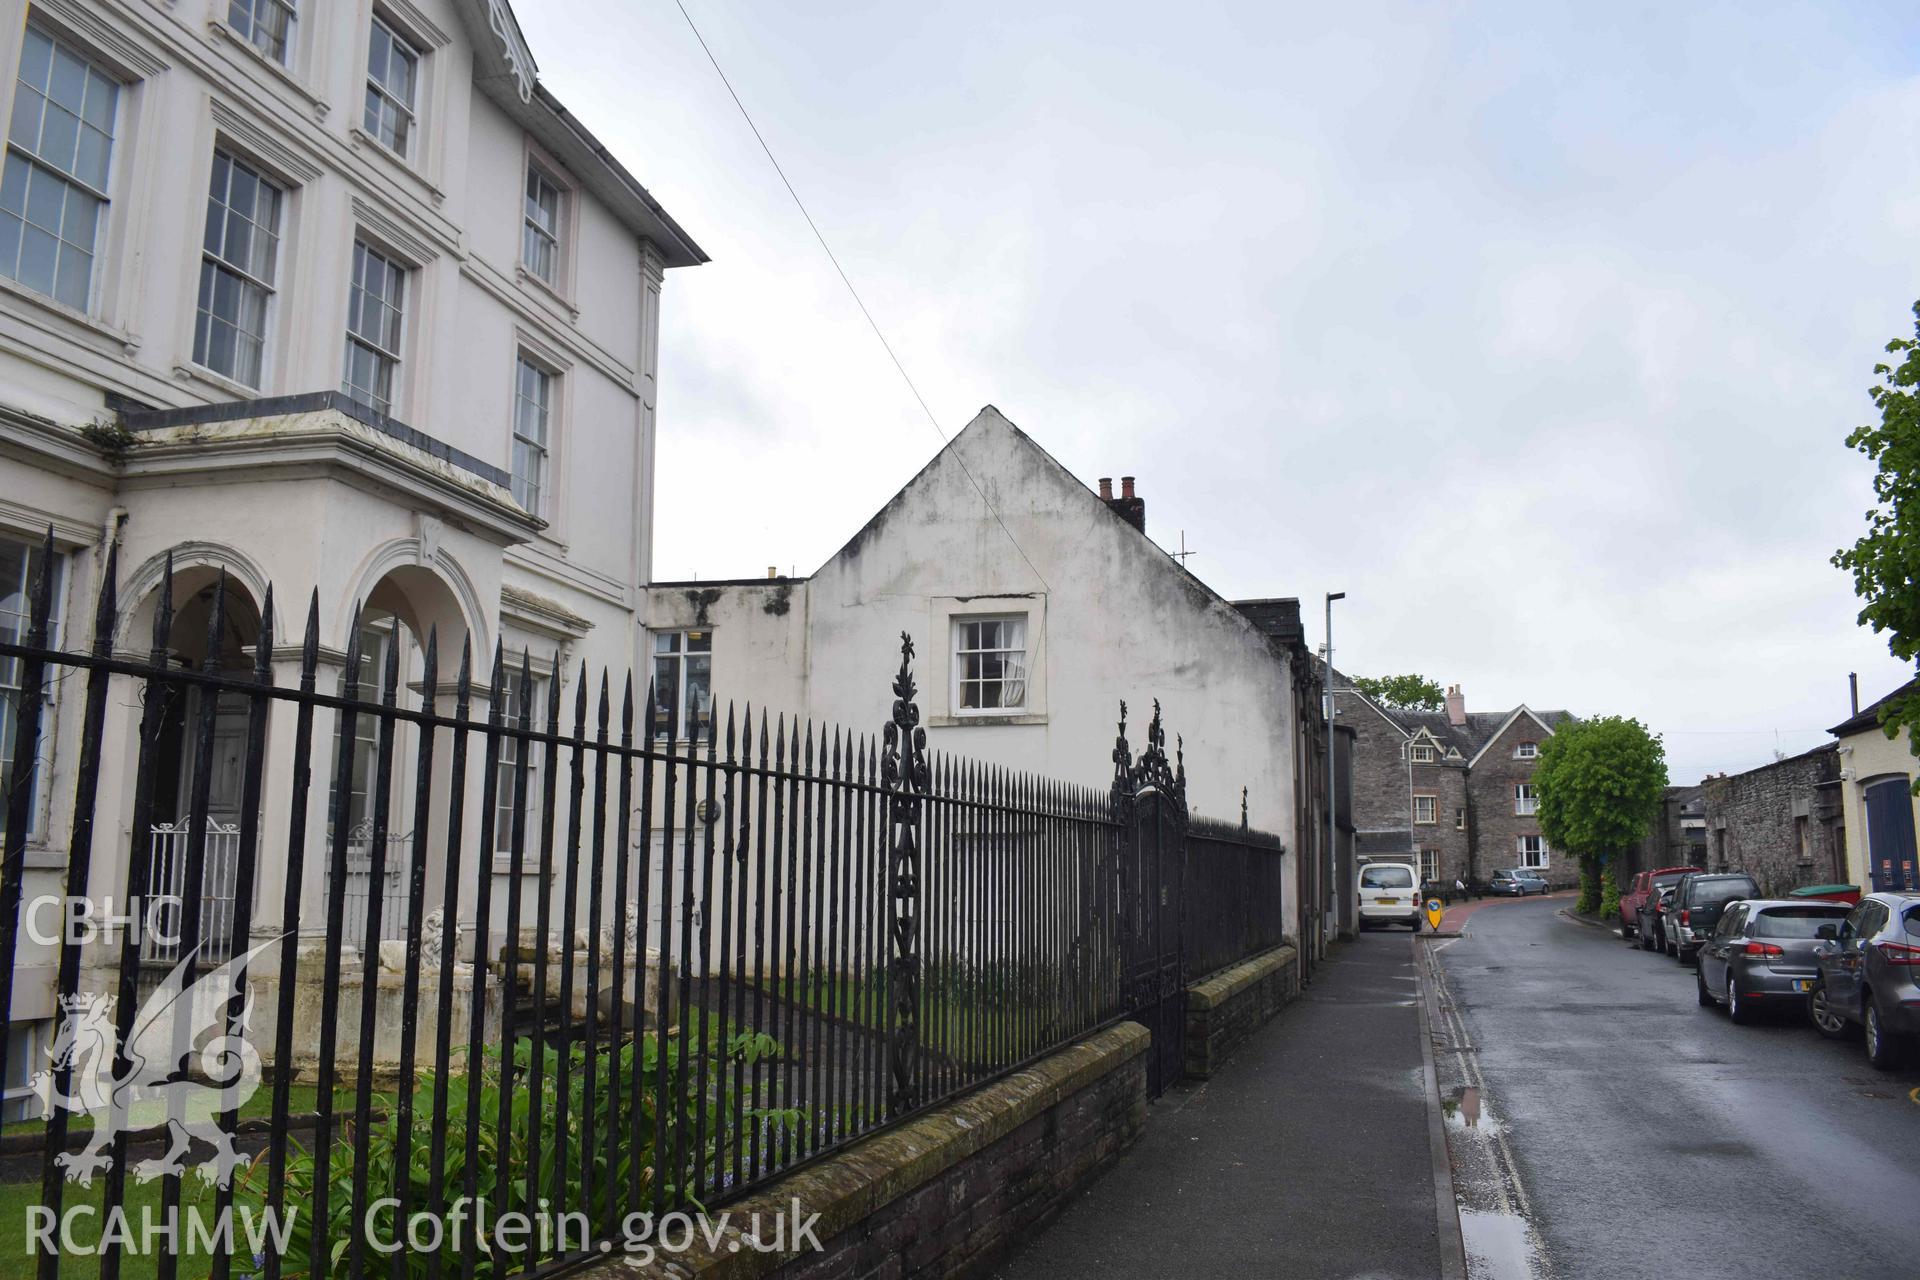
[(625, 977), (1235, 894)]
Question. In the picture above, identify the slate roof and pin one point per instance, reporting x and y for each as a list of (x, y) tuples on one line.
[(1469, 738)]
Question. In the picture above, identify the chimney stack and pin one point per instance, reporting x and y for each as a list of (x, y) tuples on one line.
[(772, 572), (1130, 508), (1456, 705)]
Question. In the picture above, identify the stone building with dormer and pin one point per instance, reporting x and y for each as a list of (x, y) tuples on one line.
[(1452, 789)]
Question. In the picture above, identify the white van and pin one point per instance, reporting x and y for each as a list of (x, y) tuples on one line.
[(1390, 894)]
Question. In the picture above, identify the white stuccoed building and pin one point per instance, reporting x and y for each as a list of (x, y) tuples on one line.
[(1024, 652), (332, 296)]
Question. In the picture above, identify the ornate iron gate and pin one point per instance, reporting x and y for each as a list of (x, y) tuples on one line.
[(1150, 799)]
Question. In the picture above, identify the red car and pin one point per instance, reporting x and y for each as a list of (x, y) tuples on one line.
[(1643, 898)]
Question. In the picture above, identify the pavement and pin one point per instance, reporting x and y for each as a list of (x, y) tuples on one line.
[(1308, 1155), (1603, 1123)]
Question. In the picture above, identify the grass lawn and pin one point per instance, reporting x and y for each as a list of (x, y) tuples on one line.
[(17, 1198), (946, 1026)]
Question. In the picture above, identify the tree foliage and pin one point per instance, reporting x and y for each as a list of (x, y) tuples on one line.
[(1599, 784), (1885, 562), (1403, 693)]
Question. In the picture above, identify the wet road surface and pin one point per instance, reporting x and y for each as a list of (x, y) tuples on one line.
[(1652, 1137)]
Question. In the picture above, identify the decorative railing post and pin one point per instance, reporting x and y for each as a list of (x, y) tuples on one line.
[(903, 777)]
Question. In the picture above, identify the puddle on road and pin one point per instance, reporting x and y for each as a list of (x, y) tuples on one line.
[(1500, 1246), (1464, 1113)]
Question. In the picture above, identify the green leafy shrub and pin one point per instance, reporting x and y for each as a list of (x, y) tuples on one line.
[(695, 1132)]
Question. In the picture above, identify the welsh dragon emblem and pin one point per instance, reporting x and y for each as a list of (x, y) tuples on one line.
[(185, 1066)]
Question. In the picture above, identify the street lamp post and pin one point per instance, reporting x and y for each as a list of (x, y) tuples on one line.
[(1333, 873)]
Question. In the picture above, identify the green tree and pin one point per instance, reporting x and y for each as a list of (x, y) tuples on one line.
[(1885, 562), (1404, 693), (1599, 783)]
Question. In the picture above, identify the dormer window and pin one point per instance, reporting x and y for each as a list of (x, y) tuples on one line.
[(1423, 753)]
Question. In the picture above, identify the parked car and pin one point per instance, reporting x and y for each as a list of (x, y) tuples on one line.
[(1653, 935), (1651, 924), (1646, 887), (1869, 974), (1698, 900), (1389, 894), (1760, 954), (1515, 882)]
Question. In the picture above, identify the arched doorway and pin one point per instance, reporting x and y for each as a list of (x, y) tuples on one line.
[(405, 608), (201, 748)]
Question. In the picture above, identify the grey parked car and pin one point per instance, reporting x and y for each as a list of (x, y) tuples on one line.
[(1698, 900), (1870, 975), (1760, 955), (1515, 882)]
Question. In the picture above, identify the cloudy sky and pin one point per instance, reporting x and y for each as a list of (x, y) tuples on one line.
[(1534, 328)]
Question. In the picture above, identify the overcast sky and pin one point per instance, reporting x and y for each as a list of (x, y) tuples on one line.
[(1536, 329)]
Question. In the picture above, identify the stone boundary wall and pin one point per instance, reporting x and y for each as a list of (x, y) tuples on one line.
[(946, 1194), (1227, 1007)]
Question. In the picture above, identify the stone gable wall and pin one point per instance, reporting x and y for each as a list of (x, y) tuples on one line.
[(1778, 822)]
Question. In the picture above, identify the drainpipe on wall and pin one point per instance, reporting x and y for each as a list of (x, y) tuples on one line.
[(1330, 898), (110, 533)]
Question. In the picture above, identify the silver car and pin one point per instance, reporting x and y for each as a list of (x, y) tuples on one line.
[(1760, 955)]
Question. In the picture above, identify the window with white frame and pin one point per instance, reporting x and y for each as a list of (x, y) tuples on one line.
[(1533, 852), (1525, 802), (376, 305), (239, 257), (1423, 753), (393, 80), (540, 232), (1424, 809), (683, 684), (990, 664), (532, 415), (1459, 819), (265, 24), (507, 763), (1526, 751), (53, 196), (1429, 865), (21, 564)]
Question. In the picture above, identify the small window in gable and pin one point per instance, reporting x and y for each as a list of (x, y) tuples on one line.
[(1526, 751)]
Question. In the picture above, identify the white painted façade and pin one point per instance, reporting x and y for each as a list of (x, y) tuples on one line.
[(1028, 637), (331, 296)]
